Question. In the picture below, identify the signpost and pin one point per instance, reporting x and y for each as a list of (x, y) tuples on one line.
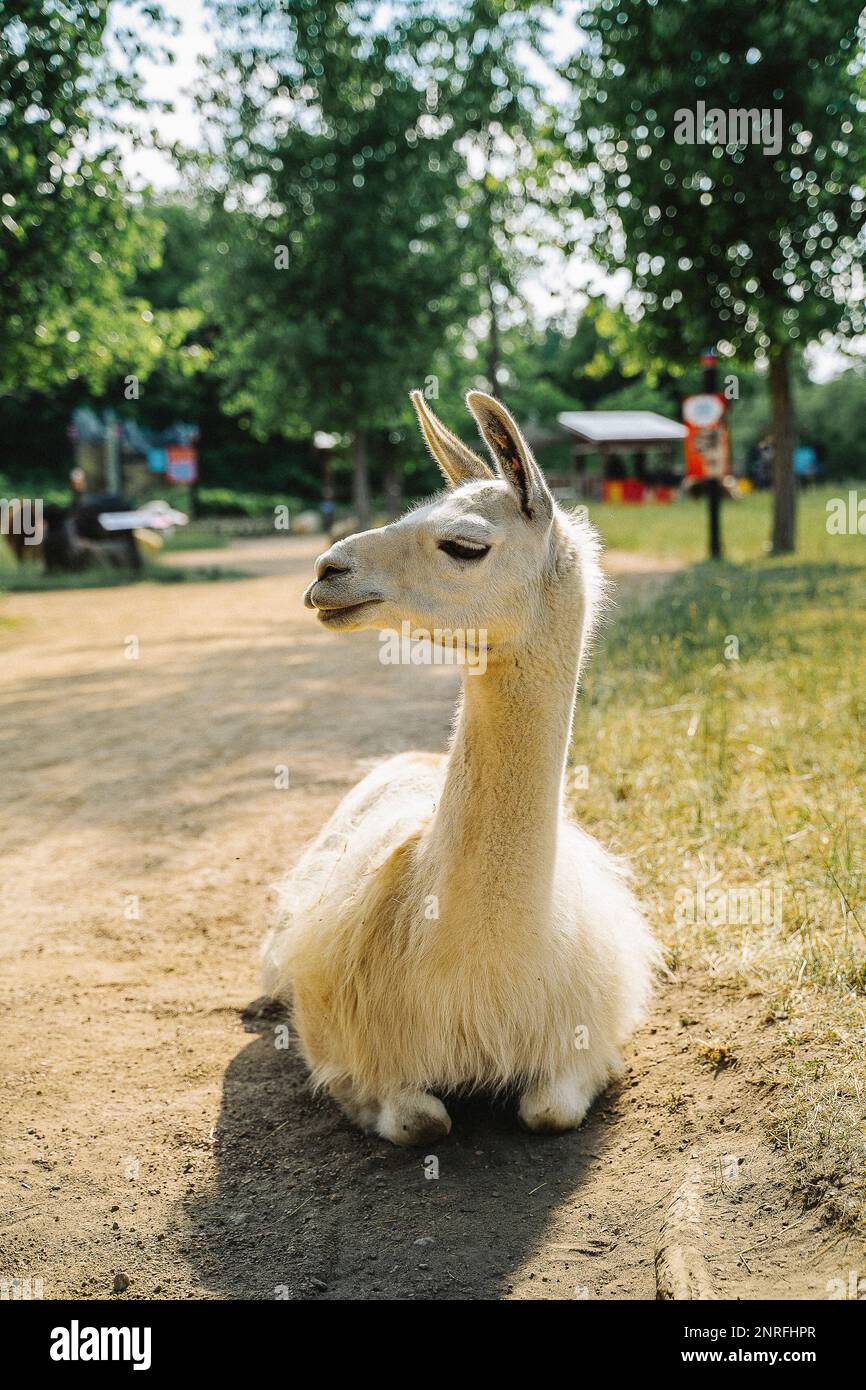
[(707, 447), (181, 464)]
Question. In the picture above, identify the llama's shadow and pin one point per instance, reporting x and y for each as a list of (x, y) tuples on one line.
[(305, 1206)]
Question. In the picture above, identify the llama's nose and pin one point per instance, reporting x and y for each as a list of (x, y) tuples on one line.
[(330, 565), (331, 570)]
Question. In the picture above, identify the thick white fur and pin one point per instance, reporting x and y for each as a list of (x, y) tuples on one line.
[(450, 928)]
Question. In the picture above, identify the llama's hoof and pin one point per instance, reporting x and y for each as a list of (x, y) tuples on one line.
[(415, 1118), (554, 1109)]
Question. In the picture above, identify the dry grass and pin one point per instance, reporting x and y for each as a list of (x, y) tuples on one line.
[(735, 786)]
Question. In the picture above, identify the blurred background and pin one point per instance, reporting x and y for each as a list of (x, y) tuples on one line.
[(235, 235)]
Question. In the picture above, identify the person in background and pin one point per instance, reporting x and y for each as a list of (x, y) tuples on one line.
[(328, 509), (764, 462), (806, 468)]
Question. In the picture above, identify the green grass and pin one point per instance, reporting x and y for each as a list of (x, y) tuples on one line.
[(216, 501), (186, 539), (31, 579), (30, 576), (680, 529), (745, 774)]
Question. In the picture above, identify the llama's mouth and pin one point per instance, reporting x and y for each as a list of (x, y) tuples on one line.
[(333, 617)]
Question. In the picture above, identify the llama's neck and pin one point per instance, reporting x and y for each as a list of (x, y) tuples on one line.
[(494, 837)]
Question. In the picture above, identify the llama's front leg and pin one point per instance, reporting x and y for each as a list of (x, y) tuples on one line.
[(362, 1113), (412, 1117), (558, 1104)]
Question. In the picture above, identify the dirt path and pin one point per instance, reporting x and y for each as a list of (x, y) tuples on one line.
[(147, 1133)]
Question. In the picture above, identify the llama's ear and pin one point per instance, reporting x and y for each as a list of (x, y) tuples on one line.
[(511, 453), (458, 463)]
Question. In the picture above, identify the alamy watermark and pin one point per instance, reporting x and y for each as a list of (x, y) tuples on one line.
[(846, 516), (736, 126), (77, 1343), (715, 906), (851, 1287), (21, 1290), (22, 517), (441, 647)]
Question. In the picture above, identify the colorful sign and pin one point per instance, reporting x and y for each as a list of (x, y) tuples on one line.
[(707, 445), (181, 464)]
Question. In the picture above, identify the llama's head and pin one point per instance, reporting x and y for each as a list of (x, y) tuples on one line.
[(483, 556)]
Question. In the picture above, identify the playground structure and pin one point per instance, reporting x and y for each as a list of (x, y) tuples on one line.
[(101, 525), (113, 461), (122, 458)]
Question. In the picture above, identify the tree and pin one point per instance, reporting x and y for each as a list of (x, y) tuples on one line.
[(340, 280), (478, 57), (70, 238), (735, 233)]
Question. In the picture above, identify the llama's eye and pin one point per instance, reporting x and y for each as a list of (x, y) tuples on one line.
[(459, 551)]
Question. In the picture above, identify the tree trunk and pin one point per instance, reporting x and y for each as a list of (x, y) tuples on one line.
[(361, 482), (393, 482), (327, 476), (493, 339), (488, 276), (328, 507), (784, 496)]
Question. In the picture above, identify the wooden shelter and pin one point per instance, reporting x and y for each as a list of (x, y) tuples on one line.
[(614, 434)]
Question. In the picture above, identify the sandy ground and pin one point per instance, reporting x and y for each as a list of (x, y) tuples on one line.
[(151, 1127)]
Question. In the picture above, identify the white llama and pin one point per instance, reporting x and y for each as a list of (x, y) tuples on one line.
[(450, 929)]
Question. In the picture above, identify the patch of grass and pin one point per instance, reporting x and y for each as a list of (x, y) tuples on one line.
[(30, 576), (679, 529), (31, 579), (818, 1119), (186, 539), (223, 501), (732, 775), (716, 1054)]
